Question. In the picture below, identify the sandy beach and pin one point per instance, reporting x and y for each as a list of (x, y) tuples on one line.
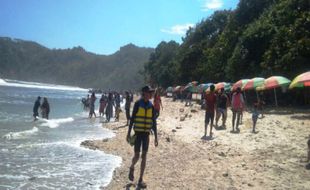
[(273, 158)]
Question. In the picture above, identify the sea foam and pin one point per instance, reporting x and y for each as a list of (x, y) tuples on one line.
[(21, 134), (54, 123)]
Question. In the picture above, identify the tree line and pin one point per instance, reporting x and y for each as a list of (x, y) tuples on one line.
[(259, 38)]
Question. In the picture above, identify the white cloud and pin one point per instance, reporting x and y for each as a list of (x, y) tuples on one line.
[(178, 29), (212, 5)]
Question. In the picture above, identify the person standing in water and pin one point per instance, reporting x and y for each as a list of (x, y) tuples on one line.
[(36, 108), (109, 109), (45, 108), (210, 109), (157, 103), (103, 103), (237, 105), (127, 106), (143, 120), (92, 105)]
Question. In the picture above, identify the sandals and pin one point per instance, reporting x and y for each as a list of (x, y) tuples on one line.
[(142, 184), (131, 174)]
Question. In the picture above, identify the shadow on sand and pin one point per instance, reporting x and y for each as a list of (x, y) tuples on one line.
[(131, 185), (301, 117), (207, 138), (119, 127), (218, 128)]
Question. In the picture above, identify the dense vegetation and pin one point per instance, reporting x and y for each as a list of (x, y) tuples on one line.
[(258, 38), (25, 60)]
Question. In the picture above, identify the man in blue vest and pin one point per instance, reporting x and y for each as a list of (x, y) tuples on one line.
[(143, 120)]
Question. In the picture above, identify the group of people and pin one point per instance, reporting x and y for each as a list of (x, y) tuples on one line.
[(109, 104), (45, 108), (217, 104)]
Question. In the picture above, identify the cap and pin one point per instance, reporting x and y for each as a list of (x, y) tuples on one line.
[(147, 89)]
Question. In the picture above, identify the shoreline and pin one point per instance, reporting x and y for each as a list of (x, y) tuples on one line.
[(271, 159)]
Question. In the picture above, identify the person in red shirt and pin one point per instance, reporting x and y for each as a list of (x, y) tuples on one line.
[(210, 109)]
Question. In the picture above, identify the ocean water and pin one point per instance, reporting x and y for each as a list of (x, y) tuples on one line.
[(46, 154)]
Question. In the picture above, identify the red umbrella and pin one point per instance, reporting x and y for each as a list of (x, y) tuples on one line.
[(239, 84), (253, 83)]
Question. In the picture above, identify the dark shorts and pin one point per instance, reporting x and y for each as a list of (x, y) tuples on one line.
[(156, 113), (142, 139), (209, 117)]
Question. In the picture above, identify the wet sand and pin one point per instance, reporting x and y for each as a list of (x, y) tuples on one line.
[(273, 158)]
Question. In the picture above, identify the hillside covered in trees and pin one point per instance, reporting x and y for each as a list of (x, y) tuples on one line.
[(29, 61), (258, 38)]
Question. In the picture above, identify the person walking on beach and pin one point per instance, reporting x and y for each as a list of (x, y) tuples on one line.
[(118, 105), (157, 103), (103, 103), (143, 120), (92, 105), (255, 114), (36, 108), (45, 108), (237, 104), (221, 110), (127, 106), (210, 109)]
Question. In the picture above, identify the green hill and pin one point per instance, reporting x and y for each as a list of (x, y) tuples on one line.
[(30, 61)]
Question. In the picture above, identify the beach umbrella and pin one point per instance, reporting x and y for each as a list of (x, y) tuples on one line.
[(253, 83), (276, 81), (169, 89), (177, 88), (204, 87), (273, 83), (225, 85), (301, 80), (191, 88), (239, 84)]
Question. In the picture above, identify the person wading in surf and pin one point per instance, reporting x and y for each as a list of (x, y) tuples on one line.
[(143, 120)]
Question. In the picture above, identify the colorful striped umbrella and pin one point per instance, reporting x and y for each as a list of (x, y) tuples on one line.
[(301, 80), (203, 87), (276, 81), (192, 87), (253, 83), (169, 89), (239, 84), (225, 85), (273, 83)]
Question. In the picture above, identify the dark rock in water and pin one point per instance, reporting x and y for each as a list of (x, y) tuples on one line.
[(173, 130), (178, 127), (308, 166), (87, 143), (32, 178), (168, 139), (88, 183), (225, 175), (182, 118), (250, 185)]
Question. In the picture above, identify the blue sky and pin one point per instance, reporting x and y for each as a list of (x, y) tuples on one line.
[(103, 26)]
